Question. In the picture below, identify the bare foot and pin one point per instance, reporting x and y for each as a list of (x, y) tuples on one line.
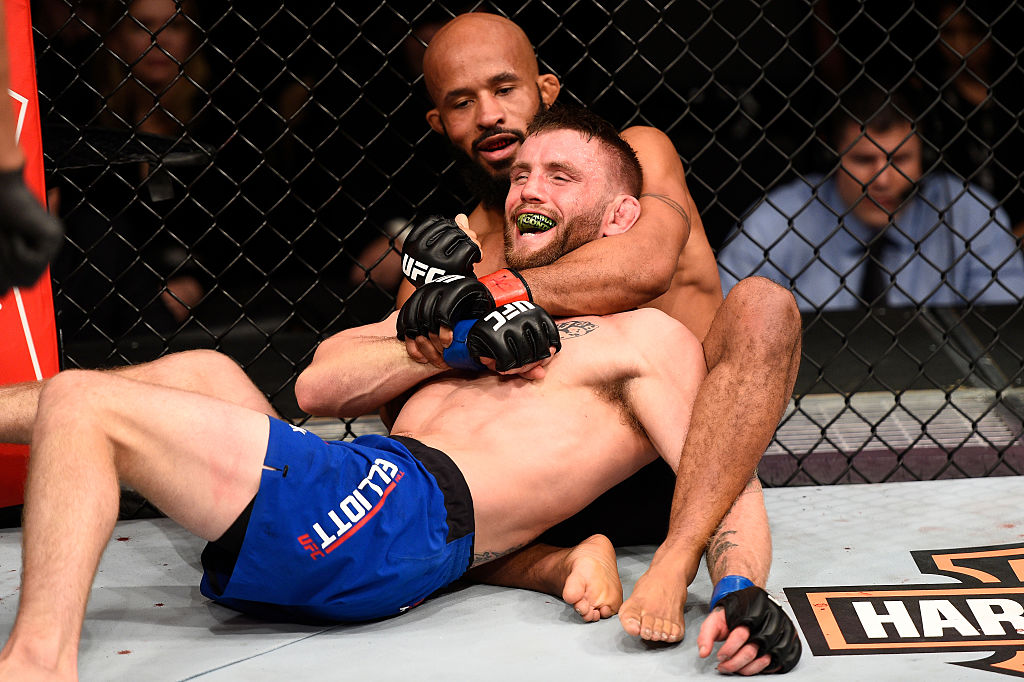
[(592, 584), (655, 609)]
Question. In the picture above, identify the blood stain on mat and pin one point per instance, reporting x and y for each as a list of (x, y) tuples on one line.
[(124, 539)]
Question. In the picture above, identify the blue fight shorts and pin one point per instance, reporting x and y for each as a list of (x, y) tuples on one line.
[(343, 531)]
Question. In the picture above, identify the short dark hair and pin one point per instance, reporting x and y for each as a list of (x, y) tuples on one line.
[(871, 108), (591, 126)]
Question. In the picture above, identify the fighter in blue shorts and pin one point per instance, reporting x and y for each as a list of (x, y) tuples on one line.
[(347, 531), (343, 531)]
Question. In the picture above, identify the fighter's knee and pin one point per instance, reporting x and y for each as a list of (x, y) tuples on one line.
[(765, 308), (203, 362), (68, 388)]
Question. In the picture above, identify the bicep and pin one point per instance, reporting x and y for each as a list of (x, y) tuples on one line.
[(668, 209)]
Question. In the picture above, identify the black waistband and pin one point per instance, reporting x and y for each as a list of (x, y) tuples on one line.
[(458, 501)]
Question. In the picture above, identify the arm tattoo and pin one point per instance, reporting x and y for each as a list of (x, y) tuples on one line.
[(671, 203), (484, 557), (573, 328), (717, 548)]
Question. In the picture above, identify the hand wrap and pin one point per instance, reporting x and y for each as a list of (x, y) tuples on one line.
[(29, 236), (770, 628), (515, 335), (507, 285), (435, 248)]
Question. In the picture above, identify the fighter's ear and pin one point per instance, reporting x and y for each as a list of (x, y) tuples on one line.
[(435, 122), (622, 214), (549, 88)]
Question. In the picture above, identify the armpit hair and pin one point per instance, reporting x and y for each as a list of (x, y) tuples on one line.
[(616, 392)]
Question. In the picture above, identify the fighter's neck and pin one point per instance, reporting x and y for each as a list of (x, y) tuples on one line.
[(486, 221), (488, 225)]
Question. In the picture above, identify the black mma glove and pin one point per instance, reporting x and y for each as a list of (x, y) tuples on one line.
[(29, 236), (515, 335), (444, 301), (435, 248), (770, 628)]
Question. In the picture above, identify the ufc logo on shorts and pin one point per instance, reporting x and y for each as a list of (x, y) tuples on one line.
[(507, 312), (413, 269), (310, 546)]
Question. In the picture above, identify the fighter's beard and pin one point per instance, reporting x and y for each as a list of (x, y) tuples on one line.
[(576, 232), (490, 190)]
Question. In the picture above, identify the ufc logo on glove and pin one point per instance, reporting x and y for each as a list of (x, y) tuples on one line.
[(507, 312), (414, 269)]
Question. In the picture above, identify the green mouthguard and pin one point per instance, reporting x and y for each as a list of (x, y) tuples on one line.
[(534, 222)]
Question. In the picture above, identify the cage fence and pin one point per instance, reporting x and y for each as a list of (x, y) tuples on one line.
[(235, 175)]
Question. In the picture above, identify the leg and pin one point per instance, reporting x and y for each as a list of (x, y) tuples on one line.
[(197, 458), (201, 371), (741, 545), (585, 576), (753, 354)]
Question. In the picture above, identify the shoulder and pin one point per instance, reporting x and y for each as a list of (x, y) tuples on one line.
[(649, 329), (646, 135), (944, 191), (954, 190), (785, 203), (651, 145)]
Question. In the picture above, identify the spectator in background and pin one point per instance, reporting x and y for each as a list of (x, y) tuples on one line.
[(153, 84), (877, 230), (980, 93), (133, 225)]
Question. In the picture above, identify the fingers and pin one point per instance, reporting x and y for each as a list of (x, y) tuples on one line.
[(463, 221), (430, 348), (734, 642), (745, 661), (736, 655), (712, 630), (532, 371)]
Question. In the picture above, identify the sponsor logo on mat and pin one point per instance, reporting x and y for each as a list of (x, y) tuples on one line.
[(983, 612)]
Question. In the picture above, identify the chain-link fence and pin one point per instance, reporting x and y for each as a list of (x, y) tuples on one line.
[(234, 175)]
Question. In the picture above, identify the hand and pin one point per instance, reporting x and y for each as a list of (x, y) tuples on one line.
[(746, 619), (29, 236), (443, 302), (519, 337), (737, 655), (438, 247)]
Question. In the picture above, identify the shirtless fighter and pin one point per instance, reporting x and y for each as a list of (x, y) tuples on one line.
[(274, 499), (482, 75)]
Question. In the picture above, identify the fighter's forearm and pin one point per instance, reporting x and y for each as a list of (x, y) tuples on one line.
[(742, 543), (357, 371), (598, 278)]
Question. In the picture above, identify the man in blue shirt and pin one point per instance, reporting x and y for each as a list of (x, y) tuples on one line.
[(876, 231)]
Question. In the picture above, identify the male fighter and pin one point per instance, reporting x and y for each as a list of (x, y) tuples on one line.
[(482, 75), (533, 208), (274, 499)]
